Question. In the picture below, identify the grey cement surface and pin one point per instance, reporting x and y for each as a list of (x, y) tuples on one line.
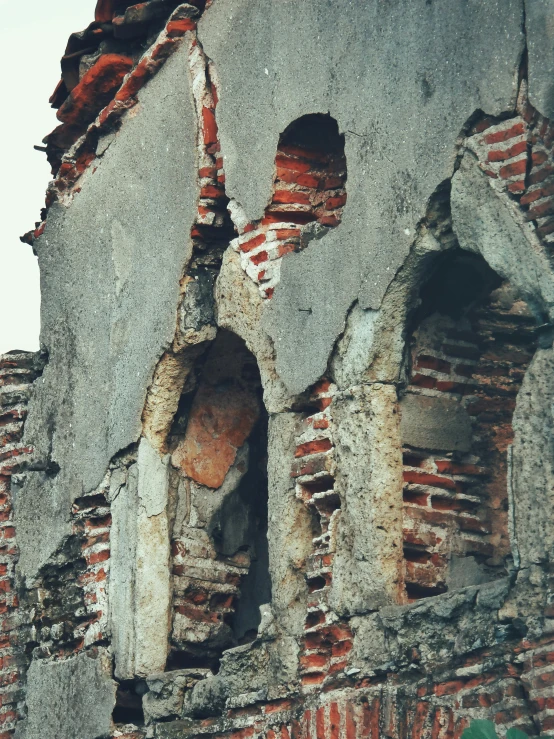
[(110, 267), (493, 226), (533, 461), (367, 568), (122, 584), (413, 75), (73, 699), (435, 423), (139, 587), (539, 24), (289, 529)]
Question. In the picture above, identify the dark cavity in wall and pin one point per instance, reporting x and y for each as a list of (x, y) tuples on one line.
[(472, 339), (241, 525), (220, 551)]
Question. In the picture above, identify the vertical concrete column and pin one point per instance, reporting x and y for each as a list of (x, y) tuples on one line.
[(367, 572), (140, 592), (289, 528), (532, 469)]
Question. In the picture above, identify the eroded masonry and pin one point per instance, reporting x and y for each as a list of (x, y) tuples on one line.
[(284, 466)]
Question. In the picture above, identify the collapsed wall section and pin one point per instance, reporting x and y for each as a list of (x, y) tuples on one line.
[(472, 345), (201, 590)]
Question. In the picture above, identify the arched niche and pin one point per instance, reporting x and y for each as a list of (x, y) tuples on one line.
[(471, 342), (219, 550)]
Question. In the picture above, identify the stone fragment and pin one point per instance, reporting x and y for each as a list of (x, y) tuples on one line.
[(435, 423), (139, 571), (69, 698), (223, 414), (367, 570), (167, 692), (95, 89)]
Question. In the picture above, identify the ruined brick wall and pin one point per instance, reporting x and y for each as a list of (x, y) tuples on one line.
[(288, 470), (17, 372)]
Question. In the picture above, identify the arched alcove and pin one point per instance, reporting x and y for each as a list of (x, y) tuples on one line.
[(218, 447), (470, 343), (307, 198)]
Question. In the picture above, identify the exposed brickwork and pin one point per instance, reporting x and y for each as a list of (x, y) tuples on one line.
[(17, 371), (507, 686), (327, 641), (517, 153), (456, 504), (309, 186)]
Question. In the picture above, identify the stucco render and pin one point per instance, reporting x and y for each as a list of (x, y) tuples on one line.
[(283, 465)]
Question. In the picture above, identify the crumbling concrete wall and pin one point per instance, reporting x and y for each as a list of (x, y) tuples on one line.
[(292, 461)]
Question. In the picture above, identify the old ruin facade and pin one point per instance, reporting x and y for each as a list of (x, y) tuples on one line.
[(284, 465)]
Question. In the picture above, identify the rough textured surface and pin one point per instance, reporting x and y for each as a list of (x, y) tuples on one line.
[(290, 529), (70, 699), (532, 484), (296, 65), (434, 423), (108, 305), (140, 581), (367, 571), (487, 224), (539, 25), (364, 193)]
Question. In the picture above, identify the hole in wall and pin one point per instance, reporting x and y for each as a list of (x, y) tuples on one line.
[(128, 702), (220, 550), (471, 340)]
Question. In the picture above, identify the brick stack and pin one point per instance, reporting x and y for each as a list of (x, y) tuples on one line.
[(493, 684), (206, 587), (93, 98), (327, 641), (17, 372)]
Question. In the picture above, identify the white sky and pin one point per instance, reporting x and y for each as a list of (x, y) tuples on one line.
[(33, 36)]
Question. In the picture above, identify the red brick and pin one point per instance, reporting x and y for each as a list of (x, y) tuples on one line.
[(334, 721), (320, 723), (313, 660), (313, 678), (210, 172), (517, 187), (513, 169), (335, 202), (498, 136), (433, 363), (95, 89), (261, 256), (209, 126), (313, 447), (538, 157), (499, 156), (293, 164), (330, 221), (253, 243), (332, 183), (212, 191), (539, 175), (180, 27), (541, 192), (280, 705), (283, 249), (291, 196)]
